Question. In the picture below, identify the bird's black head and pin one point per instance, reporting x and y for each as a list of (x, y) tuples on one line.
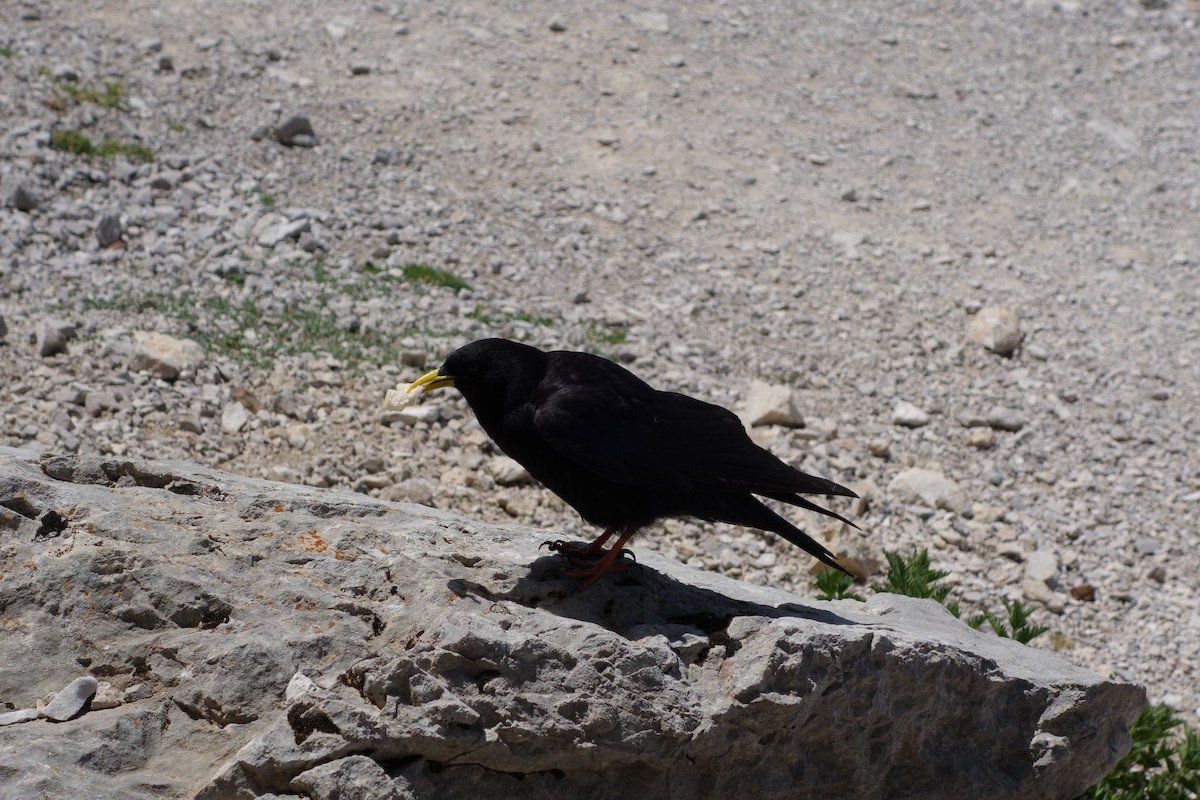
[(493, 374)]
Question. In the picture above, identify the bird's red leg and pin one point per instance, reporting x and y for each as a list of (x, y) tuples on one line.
[(605, 564)]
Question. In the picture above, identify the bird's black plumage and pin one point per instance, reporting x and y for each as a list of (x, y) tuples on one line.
[(621, 453)]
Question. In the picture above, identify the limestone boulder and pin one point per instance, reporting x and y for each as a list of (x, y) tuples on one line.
[(274, 639)]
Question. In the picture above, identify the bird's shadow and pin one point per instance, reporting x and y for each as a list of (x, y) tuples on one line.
[(633, 602)]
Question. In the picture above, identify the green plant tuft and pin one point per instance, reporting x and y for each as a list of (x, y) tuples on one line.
[(110, 97), (834, 585), (913, 577), (1017, 626), (71, 141), (110, 148), (419, 273)]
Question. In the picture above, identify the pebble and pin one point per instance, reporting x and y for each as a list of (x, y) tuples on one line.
[(136, 692), (233, 418), (1084, 592), (282, 231), (51, 340), (166, 356), (908, 415), (929, 487), (427, 413), (1005, 419), (19, 716), (1038, 592), (1041, 565), (23, 197), (107, 696), (296, 131), (1145, 546), (981, 438), (71, 700), (997, 328), (109, 231), (508, 472), (771, 404), (65, 73)]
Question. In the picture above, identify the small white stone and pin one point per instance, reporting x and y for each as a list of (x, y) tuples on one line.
[(163, 355), (508, 472), (771, 404), (233, 418), (997, 328), (929, 487), (1041, 565), (908, 415)]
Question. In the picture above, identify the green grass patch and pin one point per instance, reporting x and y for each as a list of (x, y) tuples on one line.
[(420, 273), (177, 126), (267, 199), (600, 338), (220, 327), (109, 97), (7, 52), (109, 148), (72, 141), (610, 335)]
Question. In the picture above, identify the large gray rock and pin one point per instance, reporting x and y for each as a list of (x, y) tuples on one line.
[(440, 657)]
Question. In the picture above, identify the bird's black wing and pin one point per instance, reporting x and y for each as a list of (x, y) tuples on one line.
[(602, 416), (608, 420)]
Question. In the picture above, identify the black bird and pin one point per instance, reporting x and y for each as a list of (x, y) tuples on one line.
[(620, 452)]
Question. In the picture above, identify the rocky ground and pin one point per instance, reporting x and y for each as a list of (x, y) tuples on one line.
[(822, 198)]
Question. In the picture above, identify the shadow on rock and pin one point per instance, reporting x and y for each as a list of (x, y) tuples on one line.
[(637, 597)]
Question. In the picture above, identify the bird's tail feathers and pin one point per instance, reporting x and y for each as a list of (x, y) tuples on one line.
[(755, 514), (797, 500)]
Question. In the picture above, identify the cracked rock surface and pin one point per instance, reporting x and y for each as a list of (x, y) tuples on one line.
[(265, 638)]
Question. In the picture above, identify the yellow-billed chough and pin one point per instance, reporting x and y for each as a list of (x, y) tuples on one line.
[(618, 451)]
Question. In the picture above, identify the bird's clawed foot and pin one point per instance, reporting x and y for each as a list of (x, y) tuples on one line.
[(573, 550), (592, 560), (581, 554)]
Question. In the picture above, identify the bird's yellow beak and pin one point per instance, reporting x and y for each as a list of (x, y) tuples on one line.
[(430, 381), (396, 400)]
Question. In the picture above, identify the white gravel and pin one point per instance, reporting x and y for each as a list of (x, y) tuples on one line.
[(815, 196)]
